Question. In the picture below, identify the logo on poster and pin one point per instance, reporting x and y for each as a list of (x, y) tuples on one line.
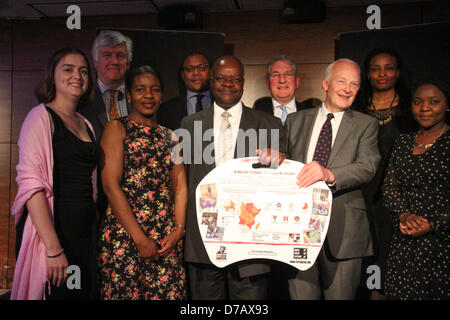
[(300, 253), (221, 254)]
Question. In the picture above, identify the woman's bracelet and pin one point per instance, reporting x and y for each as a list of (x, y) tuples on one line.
[(181, 226), (56, 255)]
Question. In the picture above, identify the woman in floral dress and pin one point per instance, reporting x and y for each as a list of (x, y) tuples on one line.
[(140, 253)]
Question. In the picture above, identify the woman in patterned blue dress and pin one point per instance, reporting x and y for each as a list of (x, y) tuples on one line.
[(417, 190), (140, 254)]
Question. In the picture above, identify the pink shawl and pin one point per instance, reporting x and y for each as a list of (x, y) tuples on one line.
[(34, 174)]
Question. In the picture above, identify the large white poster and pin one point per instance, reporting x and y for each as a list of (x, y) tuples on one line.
[(246, 212)]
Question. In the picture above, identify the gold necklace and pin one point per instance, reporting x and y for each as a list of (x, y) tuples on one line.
[(426, 146), (384, 115)]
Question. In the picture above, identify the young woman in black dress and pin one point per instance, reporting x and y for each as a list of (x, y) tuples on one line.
[(384, 96), (56, 185)]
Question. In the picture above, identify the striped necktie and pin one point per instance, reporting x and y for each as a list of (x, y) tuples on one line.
[(227, 137), (113, 111)]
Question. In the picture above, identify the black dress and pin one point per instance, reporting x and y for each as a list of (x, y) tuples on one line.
[(74, 209), (379, 215), (418, 268)]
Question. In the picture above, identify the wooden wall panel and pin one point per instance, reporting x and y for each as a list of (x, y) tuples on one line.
[(13, 174), (258, 35), (311, 76), (4, 209), (5, 44), (5, 106), (32, 48), (12, 233), (24, 84)]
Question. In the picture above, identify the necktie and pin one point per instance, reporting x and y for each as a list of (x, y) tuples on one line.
[(198, 105), (113, 111), (284, 114), (323, 146), (226, 136)]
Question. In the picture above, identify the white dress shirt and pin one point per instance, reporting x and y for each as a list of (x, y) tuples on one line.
[(121, 99), (290, 107), (235, 120), (318, 124)]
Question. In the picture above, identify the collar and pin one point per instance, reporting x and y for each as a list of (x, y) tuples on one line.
[(323, 111), (291, 106), (103, 87), (190, 94), (235, 110)]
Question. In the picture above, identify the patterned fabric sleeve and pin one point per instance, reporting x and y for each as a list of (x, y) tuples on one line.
[(393, 198), (441, 226)]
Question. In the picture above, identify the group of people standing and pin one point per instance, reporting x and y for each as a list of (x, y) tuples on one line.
[(100, 186)]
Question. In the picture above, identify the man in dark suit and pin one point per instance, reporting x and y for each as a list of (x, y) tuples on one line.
[(196, 96), (339, 147), (282, 79), (112, 53), (227, 116)]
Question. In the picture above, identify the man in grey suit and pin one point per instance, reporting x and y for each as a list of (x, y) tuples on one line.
[(244, 280), (339, 147)]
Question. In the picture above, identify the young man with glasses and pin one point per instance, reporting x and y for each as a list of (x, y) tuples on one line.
[(282, 80), (195, 97)]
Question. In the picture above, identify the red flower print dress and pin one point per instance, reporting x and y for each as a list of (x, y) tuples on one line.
[(124, 275)]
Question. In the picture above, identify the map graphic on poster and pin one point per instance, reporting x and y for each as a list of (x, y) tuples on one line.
[(248, 213)]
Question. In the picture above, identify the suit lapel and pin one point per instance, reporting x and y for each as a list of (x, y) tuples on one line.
[(345, 128), (269, 106), (183, 105), (100, 108), (207, 123), (308, 126), (246, 123)]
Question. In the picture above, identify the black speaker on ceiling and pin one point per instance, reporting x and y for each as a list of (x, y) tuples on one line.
[(176, 16), (303, 11)]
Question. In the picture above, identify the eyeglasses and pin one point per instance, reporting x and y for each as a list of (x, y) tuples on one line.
[(200, 67), (234, 80), (285, 74)]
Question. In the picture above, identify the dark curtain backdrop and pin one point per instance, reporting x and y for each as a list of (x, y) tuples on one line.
[(425, 49)]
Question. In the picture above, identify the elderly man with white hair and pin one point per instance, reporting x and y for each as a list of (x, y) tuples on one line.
[(339, 147)]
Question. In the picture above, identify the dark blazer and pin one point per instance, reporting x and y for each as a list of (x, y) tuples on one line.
[(353, 160), (265, 104), (95, 112), (172, 111), (194, 250)]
